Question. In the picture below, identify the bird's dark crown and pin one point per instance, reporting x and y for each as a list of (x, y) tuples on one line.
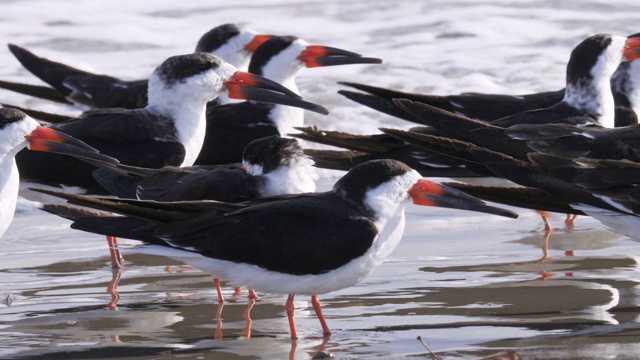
[(217, 37), (9, 116)]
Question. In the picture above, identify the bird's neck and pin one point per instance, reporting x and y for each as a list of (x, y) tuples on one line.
[(286, 118), (591, 93), (189, 118), (593, 98), (299, 177)]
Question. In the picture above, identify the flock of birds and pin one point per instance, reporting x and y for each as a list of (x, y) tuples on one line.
[(209, 181)]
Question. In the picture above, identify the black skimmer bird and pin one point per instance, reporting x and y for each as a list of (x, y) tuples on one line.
[(231, 127), (168, 131), (17, 131), (296, 244), (588, 101), (270, 166), (232, 43), (490, 107)]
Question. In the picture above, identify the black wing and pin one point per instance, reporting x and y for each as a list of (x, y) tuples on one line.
[(102, 91), (222, 183), (558, 113), (490, 107), (281, 236), (132, 136), (485, 107)]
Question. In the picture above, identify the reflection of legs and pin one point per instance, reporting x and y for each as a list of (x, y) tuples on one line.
[(319, 350), (216, 282), (292, 324), (316, 306), (292, 351), (218, 335), (116, 258), (545, 246), (183, 268), (247, 316), (544, 275), (112, 289)]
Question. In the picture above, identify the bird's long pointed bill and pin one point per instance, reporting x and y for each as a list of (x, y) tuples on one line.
[(316, 56), (242, 85), (428, 193), (49, 140), (631, 49)]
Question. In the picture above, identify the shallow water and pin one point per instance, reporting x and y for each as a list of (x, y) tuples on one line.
[(470, 285)]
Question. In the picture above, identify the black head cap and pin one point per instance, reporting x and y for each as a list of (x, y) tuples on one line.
[(267, 50), (178, 68), (9, 116), (272, 152), (353, 186), (585, 56), (217, 37)]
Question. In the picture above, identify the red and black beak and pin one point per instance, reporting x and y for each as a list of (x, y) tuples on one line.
[(428, 193), (316, 56), (49, 140), (631, 48), (257, 41), (243, 85)]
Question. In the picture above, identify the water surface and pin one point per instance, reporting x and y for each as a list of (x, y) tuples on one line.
[(470, 285)]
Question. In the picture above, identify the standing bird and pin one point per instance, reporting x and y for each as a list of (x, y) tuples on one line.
[(588, 100), (17, 130), (232, 43), (625, 84), (231, 127), (169, 131), (270, 166), (296, 244)]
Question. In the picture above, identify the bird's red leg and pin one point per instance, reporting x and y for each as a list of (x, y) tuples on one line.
[(114, 252), (216, 282), (569, 221), (316, 306), (236, 291), (292, 324), (247, 316), (543, 214)]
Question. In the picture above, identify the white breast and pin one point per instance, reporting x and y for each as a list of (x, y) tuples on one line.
[(9, 185)]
